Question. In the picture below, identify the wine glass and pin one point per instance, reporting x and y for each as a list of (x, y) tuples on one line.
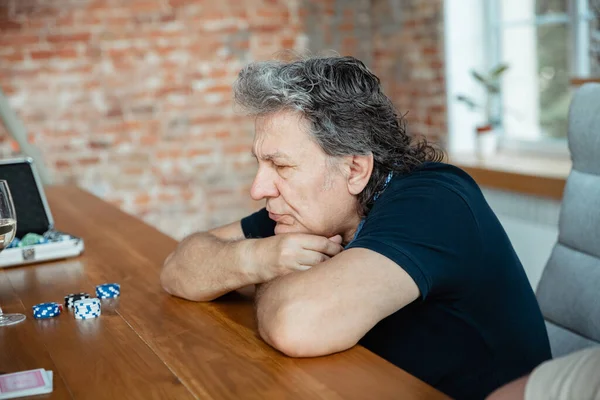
[(8, 229)]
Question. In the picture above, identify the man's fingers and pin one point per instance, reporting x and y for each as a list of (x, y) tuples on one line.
[(329, 247), (312, 258), (320, 244), (336, 239)]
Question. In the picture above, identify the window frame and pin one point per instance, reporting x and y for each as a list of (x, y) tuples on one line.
[(577, 19)]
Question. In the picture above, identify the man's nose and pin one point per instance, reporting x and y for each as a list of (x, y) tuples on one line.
[(263, 186)]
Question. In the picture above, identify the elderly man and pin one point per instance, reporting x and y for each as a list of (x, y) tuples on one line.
[(366, 237)]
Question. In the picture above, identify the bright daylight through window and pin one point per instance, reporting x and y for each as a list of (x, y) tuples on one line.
[(547, 44)]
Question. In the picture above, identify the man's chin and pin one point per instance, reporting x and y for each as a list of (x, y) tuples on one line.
[(283, 228)]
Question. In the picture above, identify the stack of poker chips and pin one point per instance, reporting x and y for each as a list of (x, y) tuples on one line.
[(87, 308), (70, 299), (46, 310), (108, 290)]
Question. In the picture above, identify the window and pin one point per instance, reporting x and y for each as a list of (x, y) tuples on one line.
[(545, 43), (595, 37)]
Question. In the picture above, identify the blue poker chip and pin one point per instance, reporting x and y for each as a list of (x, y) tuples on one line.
[(44, 316), (46, 310), (46, 306), (108, 290)]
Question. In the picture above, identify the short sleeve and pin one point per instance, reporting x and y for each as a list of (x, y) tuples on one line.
[(429, 230), (258, 225)]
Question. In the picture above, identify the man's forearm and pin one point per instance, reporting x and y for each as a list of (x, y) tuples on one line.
[(284, 318), (204, 267)]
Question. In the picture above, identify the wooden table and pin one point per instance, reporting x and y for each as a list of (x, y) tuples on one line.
[(150, 345)]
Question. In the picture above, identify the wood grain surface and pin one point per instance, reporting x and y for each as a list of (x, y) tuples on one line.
[(150, 345)]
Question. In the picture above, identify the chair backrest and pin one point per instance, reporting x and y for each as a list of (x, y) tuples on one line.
[(569, 289)]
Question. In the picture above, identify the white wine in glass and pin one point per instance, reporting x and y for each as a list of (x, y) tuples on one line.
[(8, 230)]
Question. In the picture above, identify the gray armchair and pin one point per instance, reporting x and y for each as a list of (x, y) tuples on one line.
[(569, 289)]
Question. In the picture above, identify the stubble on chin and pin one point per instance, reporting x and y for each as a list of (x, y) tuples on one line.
[(288, 228)]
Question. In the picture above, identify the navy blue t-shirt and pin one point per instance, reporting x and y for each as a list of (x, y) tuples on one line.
[(477, 324)]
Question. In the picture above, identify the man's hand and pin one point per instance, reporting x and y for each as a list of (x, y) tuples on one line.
[(207, 265), (282, 254)]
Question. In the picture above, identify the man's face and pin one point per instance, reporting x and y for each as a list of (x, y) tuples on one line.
[(305, 193)]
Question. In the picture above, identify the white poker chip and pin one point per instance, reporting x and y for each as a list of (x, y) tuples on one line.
[(86, 302), (87, 308), (88, 316)]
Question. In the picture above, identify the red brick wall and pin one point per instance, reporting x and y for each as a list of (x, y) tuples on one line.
[(131, 99), (408, 54)]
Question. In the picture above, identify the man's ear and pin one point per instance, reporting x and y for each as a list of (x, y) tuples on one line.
[(359, 169)]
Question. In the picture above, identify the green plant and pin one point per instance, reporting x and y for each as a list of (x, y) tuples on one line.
[(491, 84)]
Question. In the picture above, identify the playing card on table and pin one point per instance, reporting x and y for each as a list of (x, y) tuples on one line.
[(25, 383)]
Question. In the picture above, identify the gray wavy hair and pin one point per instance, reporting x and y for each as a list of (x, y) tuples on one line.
[(348, 113)]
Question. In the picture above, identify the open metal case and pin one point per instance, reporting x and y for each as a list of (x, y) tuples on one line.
[(33, 216)]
